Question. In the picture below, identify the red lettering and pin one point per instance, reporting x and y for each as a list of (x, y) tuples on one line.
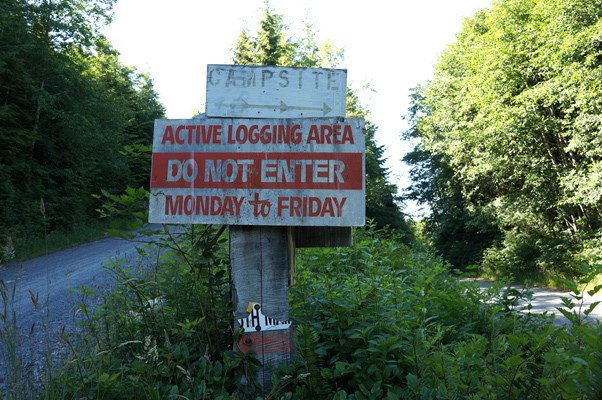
[(230, 137), (171, 207), (246, 170), (314, 206), (217, 134), (189, 205), (205, 134), (326, 132), (203, 205), (347, 135), (168, 135), (340, 206), (179, 129), (313, 135), (330, 134), (310, 206), (192, 134), (296, 206), (327, 208)]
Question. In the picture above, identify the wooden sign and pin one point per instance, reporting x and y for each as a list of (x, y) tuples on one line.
[(280, 172), (275, 92)]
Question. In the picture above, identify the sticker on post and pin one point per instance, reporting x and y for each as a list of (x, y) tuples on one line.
[(257, 322)]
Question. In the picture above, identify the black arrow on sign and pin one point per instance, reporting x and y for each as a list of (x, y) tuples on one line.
[(285, 107)]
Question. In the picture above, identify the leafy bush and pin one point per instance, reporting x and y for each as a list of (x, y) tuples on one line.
[(379, 320), (507, 136)]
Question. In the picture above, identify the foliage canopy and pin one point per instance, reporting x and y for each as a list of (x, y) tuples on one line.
[(73, 119), (509, 133)]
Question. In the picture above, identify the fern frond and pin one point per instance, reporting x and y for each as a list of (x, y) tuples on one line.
[(307, 343)]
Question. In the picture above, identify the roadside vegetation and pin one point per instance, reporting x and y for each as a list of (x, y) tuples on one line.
[(26, 246), (508, 137), (73, 120), (379, 320)]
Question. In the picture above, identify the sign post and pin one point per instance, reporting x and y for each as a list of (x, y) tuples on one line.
[(275, 160)]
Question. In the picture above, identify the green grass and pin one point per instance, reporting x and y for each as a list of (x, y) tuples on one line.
[(587, 279)]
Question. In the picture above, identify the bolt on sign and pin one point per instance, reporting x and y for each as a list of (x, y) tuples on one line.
[(275, 92), (237, 171)]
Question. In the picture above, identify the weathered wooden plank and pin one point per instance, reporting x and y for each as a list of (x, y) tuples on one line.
[(292, 261), (263, 91), (259, 258), (273, 172)]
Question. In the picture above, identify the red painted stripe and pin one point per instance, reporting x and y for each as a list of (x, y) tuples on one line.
[(268, 342), (342, 171)]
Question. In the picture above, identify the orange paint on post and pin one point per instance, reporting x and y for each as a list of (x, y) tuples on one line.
[(267, 342)]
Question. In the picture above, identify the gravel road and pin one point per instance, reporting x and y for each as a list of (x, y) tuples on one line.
[(49, 281), (548, 300)]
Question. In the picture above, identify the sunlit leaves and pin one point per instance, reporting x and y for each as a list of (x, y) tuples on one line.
[(514, 112)]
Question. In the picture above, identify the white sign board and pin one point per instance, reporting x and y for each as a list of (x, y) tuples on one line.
[(246, 91), (233, 171)]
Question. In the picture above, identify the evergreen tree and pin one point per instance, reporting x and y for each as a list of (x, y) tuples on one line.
[(272, 46)]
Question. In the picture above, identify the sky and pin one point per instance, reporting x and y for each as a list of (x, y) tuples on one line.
[(391, 46)]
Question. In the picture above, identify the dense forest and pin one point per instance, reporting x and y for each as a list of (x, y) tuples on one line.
[(507, 130), (509, 134), (73, 119)]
